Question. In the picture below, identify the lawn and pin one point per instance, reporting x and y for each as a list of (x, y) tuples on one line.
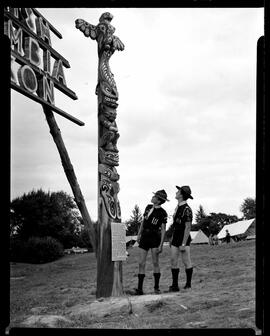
[(222, 295)]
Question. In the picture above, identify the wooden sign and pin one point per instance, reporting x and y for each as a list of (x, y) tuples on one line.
[(118, 231), (31, 47), (36, 78)]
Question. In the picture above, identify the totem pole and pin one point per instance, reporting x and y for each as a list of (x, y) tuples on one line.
[(109, 273)]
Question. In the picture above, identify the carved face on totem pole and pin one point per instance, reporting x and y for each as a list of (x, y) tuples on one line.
[(110, 113)]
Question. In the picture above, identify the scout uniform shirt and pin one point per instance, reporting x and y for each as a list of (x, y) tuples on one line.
[(182, 215), (154, 217)]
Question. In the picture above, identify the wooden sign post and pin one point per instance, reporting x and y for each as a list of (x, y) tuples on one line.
[(29, 34), (109, 267)]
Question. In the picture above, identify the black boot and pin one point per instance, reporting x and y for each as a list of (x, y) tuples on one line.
[(189, 272), (139, 290), (174, 287), (156, 287)]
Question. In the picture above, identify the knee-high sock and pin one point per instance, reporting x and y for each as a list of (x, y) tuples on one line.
[(140, 281), (175, 272), (157, 277), (189, 272)]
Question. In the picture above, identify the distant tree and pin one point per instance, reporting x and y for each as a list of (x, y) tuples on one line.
[(205, 225), (84, 239), (218, 220), (42, 214), (133, 224), (248, 208), (200, 214), (213, 223), (201, 220), (36, 250)]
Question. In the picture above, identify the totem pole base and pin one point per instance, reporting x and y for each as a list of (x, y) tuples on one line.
[(109, 273)]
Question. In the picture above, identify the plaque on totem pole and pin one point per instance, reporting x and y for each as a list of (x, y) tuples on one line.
[(118, 241)]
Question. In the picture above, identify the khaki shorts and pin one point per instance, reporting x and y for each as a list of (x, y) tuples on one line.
[(178, 239), (150, 240)]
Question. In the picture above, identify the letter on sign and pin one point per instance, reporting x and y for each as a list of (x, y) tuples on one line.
[(47, 61), (16, 37), (43, 30), (27, 78), (32, 51), (13, 74), (27, 15), (58, 71), (45, 91)]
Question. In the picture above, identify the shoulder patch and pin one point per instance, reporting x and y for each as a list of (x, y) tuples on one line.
[(188, 214)]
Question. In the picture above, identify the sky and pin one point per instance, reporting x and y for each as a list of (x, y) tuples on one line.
[(186, 116)]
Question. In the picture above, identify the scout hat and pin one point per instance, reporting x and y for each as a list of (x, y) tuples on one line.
[(161, 194), (186, 190)]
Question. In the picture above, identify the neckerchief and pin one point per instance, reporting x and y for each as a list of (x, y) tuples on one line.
[(151, 210), (178, 205)]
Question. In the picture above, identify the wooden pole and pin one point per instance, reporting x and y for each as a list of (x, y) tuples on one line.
[(70, 174), (109, 273)]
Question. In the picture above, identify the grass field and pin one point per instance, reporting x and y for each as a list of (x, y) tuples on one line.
[(222, 295)]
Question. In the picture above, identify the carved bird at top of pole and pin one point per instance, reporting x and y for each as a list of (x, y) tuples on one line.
[(102, 32)]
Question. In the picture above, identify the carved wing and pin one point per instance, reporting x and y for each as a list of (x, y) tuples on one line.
[(117, 43), (88, 29)]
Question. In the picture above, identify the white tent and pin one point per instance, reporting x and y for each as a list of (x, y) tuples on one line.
[(129, 238), (237, 228), (193, 234), (198, 237)]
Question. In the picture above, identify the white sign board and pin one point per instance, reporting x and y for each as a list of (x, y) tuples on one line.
[(118, 241)]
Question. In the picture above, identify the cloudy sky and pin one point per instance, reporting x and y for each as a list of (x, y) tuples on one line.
[(186, 115)]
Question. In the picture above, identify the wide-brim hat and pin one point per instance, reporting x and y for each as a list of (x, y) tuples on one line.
[(161, 194), (186, 190)]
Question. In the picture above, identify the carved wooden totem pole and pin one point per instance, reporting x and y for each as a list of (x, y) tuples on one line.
[(109, 273)]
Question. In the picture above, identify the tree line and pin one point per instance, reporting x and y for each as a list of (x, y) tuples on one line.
[(43, 224)]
